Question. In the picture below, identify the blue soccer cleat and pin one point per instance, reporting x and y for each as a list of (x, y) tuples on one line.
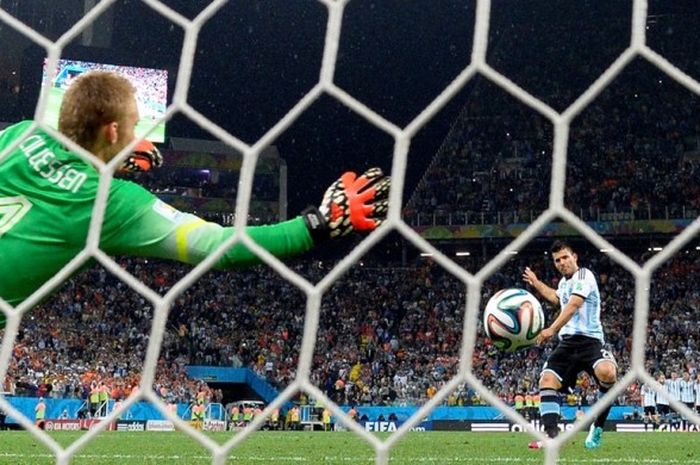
[(594, 438)]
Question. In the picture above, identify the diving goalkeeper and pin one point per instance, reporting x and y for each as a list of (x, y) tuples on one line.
[(47, 195)]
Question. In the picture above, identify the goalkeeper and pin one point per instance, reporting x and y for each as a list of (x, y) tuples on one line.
[(47, 195)]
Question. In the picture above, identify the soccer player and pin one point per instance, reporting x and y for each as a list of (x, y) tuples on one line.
[(673, 389), (581, 339), (697, 393), (687, 387), (40, 413), (3, 417), (649, 404), (47, 194), (662, 404), (673, 386)]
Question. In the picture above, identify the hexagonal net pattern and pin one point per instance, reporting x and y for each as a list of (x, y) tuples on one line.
[(402, 136)]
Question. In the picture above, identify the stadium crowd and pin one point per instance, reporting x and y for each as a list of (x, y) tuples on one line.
[(87, 336), (211, 192), (395, 345), (632, 151)]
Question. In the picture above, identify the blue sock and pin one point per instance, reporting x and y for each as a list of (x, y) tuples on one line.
[(550, 408), (600, 419)]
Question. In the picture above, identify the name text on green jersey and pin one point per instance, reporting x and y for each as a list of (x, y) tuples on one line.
[(44, 162)]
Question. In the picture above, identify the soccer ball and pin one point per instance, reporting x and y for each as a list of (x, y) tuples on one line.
[(513, 318)]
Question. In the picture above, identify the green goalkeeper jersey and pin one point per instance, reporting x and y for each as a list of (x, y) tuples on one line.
[(47, 195)]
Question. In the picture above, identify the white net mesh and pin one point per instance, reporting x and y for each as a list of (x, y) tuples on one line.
[(314, 293)]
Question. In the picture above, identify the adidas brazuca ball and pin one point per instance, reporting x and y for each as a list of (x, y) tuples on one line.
[(513, 318)]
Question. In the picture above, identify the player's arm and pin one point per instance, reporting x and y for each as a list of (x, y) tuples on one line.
[(137, 223), (549, 294), (566, 313), (563, 318)]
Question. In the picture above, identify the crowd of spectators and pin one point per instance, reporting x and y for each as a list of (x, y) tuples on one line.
[(91, 334), (394, 345), (211, 193), (634, 150), (207, 182)]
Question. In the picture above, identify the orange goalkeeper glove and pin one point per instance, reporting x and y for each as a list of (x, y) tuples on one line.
[(351, 203), (145, 157)]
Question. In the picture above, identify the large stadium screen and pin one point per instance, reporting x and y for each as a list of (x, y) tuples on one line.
[(151, 92)]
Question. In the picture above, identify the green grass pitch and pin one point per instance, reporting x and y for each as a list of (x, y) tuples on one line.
[(327, 448)]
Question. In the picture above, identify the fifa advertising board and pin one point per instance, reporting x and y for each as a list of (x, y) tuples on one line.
[(502, 426)]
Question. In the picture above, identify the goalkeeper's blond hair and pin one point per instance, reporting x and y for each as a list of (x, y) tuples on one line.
[(95, 98)]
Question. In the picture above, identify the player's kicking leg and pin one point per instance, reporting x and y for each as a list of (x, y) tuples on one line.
[(550, 407), (550, 384), (605, 371)]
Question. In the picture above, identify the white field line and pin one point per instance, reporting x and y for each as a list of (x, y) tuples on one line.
[(535, 458)]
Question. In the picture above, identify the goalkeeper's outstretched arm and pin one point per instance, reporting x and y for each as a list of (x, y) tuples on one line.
[(350, 204)]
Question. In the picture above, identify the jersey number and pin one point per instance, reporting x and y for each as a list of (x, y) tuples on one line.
[(12, 209)]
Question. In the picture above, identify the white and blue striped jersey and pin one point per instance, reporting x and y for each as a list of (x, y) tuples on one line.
[(648, 396), (663, 398), (697, 393), (586, 321), (687, 391), (673, 387)]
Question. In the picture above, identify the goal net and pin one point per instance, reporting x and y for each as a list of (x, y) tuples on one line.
[(402, 136)]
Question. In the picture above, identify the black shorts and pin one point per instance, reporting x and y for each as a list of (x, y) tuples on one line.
[(663, 409), (573, 355), (650, 409)]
